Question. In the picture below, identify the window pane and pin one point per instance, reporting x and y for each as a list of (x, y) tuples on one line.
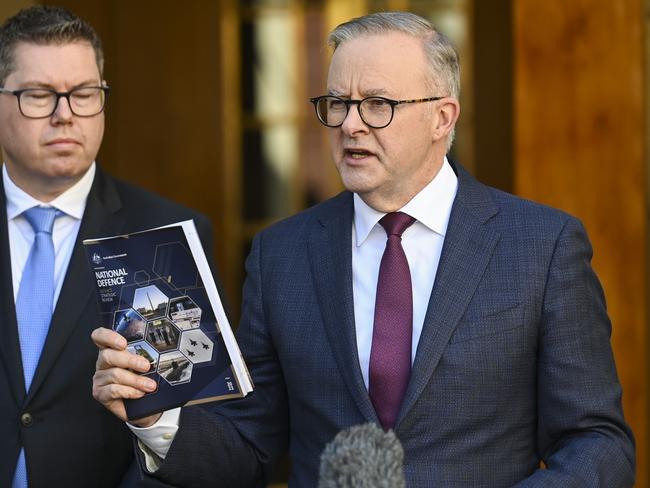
[(270, 158), (269, 60)]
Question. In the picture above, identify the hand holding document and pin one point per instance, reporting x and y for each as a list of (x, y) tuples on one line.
[(166, 340)]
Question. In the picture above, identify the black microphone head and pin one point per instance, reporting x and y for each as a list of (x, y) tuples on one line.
[(363, 456)]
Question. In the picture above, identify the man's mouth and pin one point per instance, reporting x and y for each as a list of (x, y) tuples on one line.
[(357, 153), (63, 141)]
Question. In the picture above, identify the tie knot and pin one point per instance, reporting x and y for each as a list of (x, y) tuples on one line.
[(396, 222), (41, 218)]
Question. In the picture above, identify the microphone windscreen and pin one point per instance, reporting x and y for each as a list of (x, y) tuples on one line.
[(363, 456)]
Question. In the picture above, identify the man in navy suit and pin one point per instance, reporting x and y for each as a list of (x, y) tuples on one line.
[(52, 97), (491, 299)]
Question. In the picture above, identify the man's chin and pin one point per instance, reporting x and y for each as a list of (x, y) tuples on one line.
[(358, 180), (64, 174), (358, 185), (64, 168)]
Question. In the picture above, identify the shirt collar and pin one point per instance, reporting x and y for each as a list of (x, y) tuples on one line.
[(431, 206), (71, 202)]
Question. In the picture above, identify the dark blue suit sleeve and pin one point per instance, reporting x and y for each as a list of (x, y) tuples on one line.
[(236, 443), (582, 436)]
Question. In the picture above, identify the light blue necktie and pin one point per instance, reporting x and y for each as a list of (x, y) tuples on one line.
[(34, 304)]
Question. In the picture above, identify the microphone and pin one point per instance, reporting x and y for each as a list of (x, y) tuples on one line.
[(363, 456)]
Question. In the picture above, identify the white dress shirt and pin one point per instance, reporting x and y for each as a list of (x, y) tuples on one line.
[(71, 203), (422, 243)]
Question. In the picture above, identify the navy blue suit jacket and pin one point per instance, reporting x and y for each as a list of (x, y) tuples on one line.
[(514, 364), (72, 440)]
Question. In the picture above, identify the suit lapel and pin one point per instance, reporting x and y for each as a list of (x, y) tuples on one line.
[(99, 219), (331, 260), (9, 345), (467, 249)]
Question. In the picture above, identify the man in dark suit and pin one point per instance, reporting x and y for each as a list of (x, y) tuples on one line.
[(52, 97), (467, 320)]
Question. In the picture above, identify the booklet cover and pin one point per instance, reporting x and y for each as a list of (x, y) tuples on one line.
[(156, 289)]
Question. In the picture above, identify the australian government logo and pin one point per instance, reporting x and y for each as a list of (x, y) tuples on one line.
[(97, 259)]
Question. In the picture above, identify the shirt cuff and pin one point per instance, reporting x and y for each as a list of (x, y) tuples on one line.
[(159, 436)]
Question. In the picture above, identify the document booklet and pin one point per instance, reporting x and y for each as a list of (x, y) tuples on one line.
[(155, 288)]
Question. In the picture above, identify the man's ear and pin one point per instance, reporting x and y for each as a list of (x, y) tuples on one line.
[(447, 111)]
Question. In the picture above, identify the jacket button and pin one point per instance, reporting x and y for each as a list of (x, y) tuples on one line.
[(26, 419)]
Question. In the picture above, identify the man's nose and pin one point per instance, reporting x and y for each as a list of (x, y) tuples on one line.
[(353, 123), (62, 111)]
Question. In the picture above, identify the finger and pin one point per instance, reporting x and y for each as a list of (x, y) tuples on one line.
[(111, 397), (123, 377), (107, 394), (110, 358), (105, 338)]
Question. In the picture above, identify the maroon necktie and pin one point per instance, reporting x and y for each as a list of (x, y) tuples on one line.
[(390, 355)]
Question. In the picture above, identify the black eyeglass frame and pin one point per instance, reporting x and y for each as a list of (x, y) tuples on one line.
[(348, 102), (17, 93)]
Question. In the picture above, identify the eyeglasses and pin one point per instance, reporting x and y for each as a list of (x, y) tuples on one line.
[(39, 103), (376, 112)]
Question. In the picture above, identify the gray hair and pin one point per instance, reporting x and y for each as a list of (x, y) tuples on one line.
[(444, 71), (43, 25)]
